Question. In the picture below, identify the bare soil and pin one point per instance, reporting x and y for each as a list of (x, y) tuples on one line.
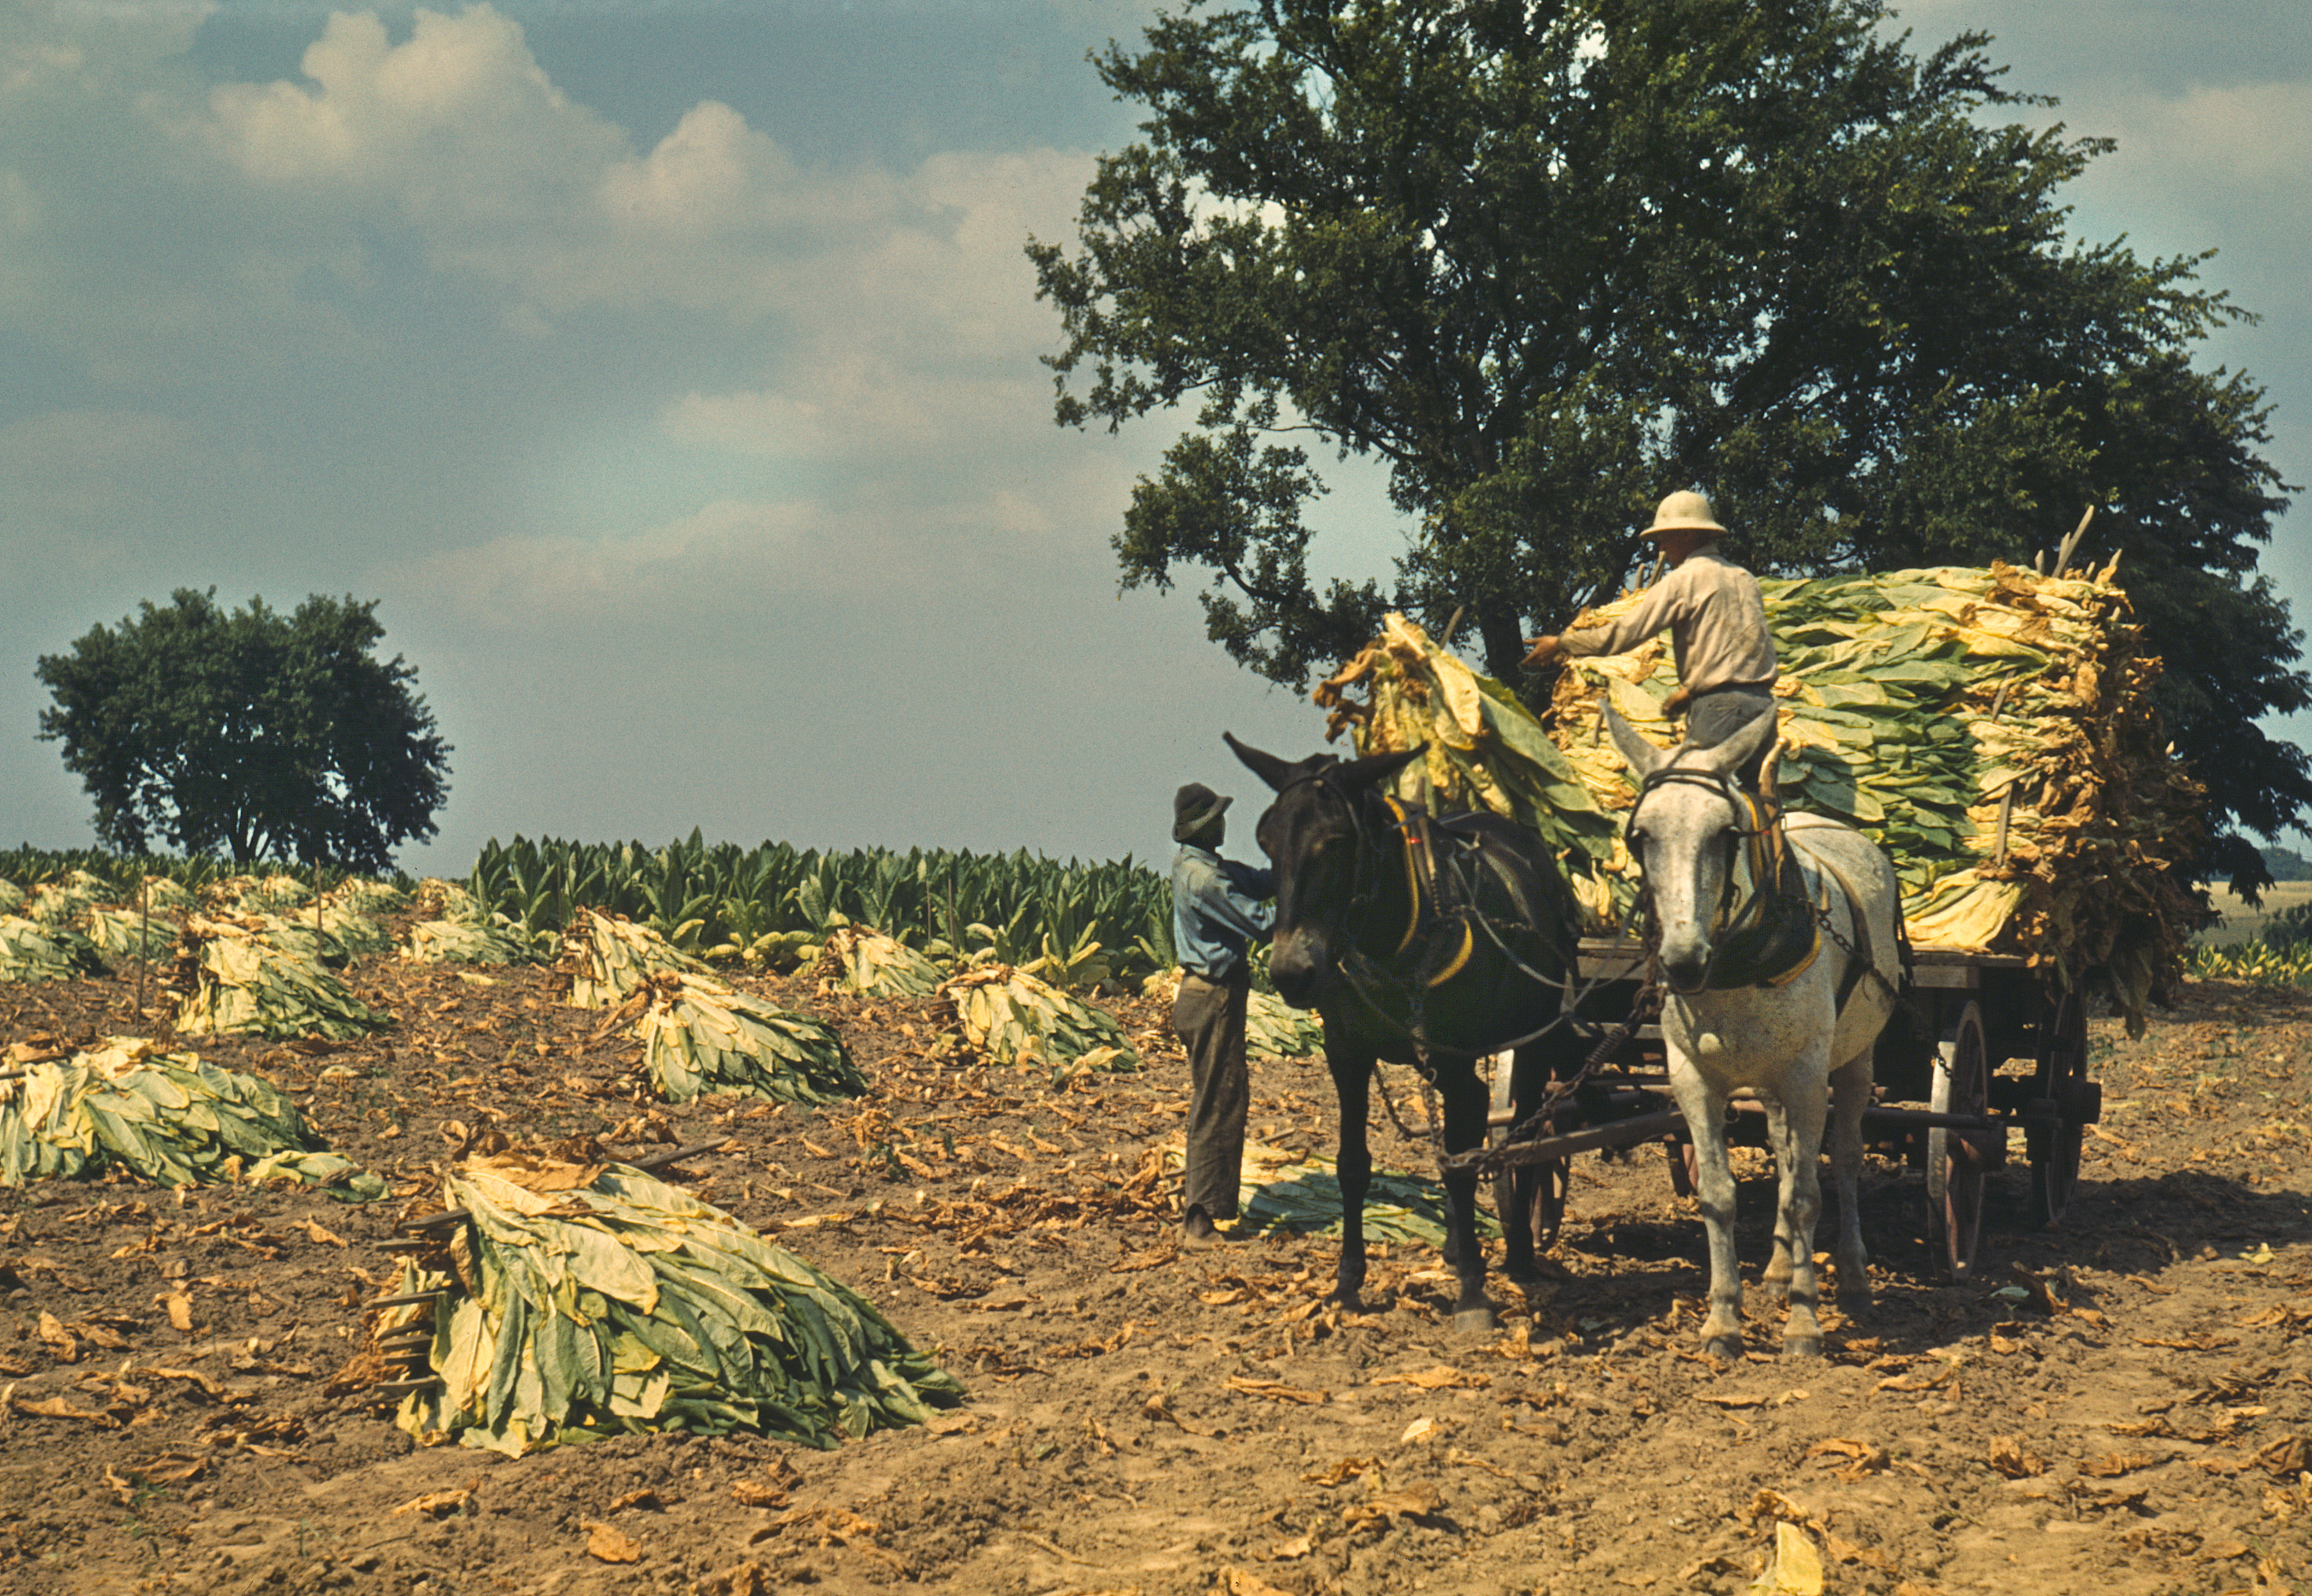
[(1148, 1420)]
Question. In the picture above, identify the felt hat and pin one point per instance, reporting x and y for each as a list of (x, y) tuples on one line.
[(1684, 511), (1194, 807)]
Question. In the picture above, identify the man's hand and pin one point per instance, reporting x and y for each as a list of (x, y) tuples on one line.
[(1544, 649), (1677, 704)]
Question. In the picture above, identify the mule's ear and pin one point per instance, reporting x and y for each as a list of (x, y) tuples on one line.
[(1377, 767), (1279, 774), (1739, 750), (1644, 758)]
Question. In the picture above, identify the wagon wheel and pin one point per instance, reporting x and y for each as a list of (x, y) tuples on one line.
[(2060, 1086), (1552, 1177), (1955, 1164)]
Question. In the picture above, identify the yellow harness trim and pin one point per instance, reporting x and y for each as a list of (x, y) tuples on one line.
[(1763, 846), (1469, 946), (1411, 877), (1454, 965)]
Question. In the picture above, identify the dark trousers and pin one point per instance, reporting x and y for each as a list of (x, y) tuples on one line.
[(1716, 716), (1208, 1017)]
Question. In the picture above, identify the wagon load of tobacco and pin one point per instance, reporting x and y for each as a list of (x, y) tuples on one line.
[(563, 1300), (1993, 730), (163, 1115)]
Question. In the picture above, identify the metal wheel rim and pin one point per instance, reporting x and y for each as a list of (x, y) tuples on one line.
[(1954, 1167), (2062, 1065)]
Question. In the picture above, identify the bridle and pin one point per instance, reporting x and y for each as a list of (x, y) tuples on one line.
[(1762, 836)]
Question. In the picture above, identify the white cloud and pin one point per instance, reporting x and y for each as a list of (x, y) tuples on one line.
[(516, 582), (2242, 153), (455, 121), (459, 133), (858, 408)]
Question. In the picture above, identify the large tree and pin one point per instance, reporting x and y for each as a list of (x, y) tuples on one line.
[(1549, 260), (254, 733)]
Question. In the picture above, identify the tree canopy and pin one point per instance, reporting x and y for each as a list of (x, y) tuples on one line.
[(254, 733), (1548, 260)]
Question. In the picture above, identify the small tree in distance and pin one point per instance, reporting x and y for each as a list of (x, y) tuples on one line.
[(252, 733)]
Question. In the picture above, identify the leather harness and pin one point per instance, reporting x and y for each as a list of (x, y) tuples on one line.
[(1774, 934)]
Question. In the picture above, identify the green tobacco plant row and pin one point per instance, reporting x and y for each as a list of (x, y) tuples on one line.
[(777, 905), (2280, 955), (1074, 923)]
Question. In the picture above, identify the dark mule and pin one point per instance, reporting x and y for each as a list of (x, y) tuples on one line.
[(1408, 935)]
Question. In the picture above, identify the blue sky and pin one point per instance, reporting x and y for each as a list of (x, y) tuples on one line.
[(668, 372)]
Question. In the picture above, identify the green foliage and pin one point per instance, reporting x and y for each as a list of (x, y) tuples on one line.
[(2265, 961), (1547, 262), (777, 903), (2285, 864), (250, 733), (31, 867), (2290, 928)]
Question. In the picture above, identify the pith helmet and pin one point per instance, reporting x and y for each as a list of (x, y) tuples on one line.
[(1685, 512), (1194, 807)]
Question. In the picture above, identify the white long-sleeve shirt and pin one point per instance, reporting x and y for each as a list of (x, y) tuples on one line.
[(1717, 621)]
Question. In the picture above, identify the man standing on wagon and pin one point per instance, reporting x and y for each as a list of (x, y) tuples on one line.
[(1219, 908), (1717, 621)]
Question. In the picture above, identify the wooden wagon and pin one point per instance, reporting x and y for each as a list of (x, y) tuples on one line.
[(1979, 1049)]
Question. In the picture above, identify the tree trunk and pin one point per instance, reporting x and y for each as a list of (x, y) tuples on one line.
[(1504, 644)]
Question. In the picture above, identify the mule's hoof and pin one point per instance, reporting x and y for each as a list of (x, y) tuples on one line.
[(1536, 1272), (1725, 1349), (1476, 1321), (1802, 1346)]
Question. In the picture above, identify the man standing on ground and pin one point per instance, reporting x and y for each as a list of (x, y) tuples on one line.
[(1219, 908), (1717, 621)]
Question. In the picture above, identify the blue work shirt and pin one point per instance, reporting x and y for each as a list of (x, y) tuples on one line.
[(1218, 907)]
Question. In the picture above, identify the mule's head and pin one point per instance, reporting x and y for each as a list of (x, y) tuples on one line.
[(1683, 833), (1314, 835)]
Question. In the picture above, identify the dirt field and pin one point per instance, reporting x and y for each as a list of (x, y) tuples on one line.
[(1145, 1420)]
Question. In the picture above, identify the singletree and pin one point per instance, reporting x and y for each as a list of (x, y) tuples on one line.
[(254, 733), (1550, 259)]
